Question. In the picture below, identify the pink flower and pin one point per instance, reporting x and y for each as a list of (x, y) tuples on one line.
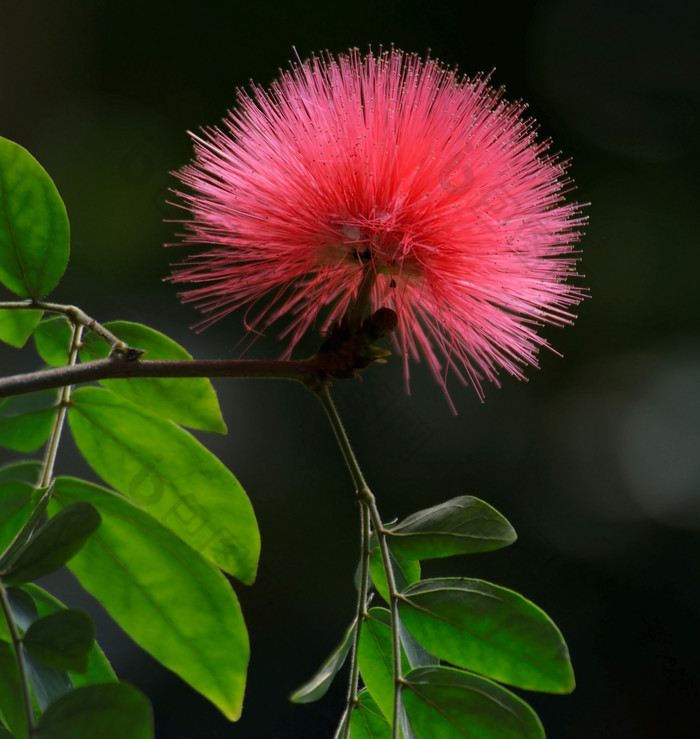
[(394, 169)]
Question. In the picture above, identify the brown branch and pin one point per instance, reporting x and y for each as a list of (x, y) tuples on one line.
[(119, 366)]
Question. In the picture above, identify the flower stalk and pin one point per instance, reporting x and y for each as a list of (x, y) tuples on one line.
[(368, 512)]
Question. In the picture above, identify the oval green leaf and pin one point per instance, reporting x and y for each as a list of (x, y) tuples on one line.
[(406, 571), (34, 229), (36, 507), (165, 595), (170, 474), (367, 721), (16, 326), (190, 402), (48, 683), (444, 703), (62, 640), (53, 544), (98, 668), (15, 509), (11, 692), (112, 711), (24, 610), (463, 525), (27, 471), (489, 630), (26, 420), (318, 685), (375, 659), (52, 339)]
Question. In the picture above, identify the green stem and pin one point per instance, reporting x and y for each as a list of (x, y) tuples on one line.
[(75, 315), (59, 419), (371, 512), (21, 666)]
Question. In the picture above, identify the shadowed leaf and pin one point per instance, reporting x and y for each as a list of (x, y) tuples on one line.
[(113, 711), (318, 685), (53, 544), (462, 525), (444, 703)]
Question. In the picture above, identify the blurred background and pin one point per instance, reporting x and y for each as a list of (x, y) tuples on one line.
[(595, 460)]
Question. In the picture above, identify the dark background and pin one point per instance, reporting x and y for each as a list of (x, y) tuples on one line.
[(595, 460)]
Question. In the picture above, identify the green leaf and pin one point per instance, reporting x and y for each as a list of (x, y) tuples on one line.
[(444, 703), (113, 711), (34, 229), (15, 509), (24, 610), (53, 544), (16, 326), (318, 685), (39, 501), (48, 683), (406, 571), (98, 670), (367, 721), (170, 474), (490, 630), (52, 339), (463, 525), (375, 659), (26, 420), (190, 402), (11, 703), (62, 640), (166, 596), (415, 653), (5, 734), (27, 471)]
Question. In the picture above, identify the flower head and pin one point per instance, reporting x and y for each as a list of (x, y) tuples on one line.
[(392, 180)]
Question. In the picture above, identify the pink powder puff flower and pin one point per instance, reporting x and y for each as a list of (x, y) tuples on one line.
[(395, 169)]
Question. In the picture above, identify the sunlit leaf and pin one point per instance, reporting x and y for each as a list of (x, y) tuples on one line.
[(444, 703), (170, 474), (462, 525), (374, 656), (318, 685), (165, 595), (189, 401), (34, 230), (112, 711), (11, 703), (62, 639), (52, 339), (406, 571), (53, 544), (367, 721), (16, 326), (26, 420), (489, 630)]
